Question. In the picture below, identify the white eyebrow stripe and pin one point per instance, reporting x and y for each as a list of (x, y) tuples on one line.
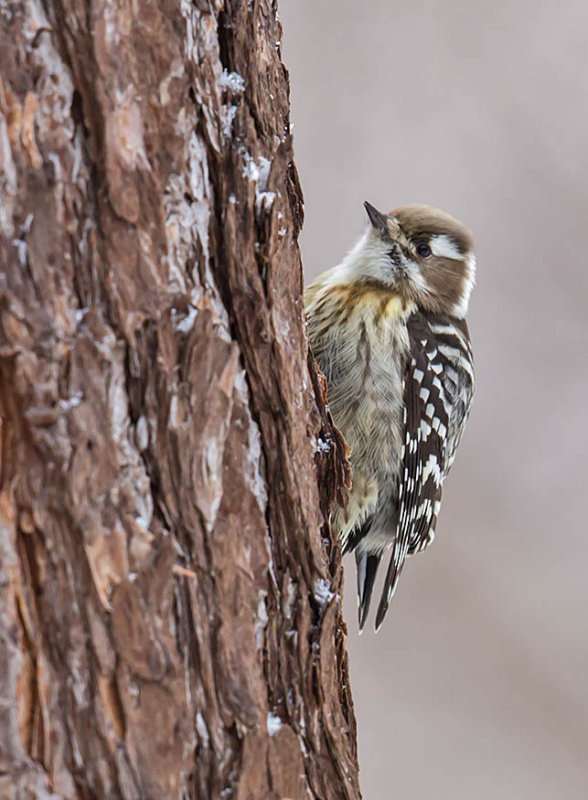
[(442, 245)]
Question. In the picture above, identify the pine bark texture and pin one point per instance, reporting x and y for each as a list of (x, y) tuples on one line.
[(170, 594)]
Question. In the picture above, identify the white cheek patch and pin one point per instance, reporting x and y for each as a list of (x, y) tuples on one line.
[(415, 276), (442, 245)]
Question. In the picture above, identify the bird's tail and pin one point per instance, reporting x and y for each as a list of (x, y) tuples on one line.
[(367, 567), (397, 559)]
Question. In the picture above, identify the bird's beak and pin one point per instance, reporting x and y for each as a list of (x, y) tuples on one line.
[(378, 220)]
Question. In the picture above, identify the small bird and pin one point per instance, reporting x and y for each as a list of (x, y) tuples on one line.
[(387, 328)]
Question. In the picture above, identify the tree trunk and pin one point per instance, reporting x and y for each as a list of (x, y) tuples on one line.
[(170, 594)]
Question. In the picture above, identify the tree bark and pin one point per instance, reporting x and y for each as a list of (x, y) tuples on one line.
[(170, 593)]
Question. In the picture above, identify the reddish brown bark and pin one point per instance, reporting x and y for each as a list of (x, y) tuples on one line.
[(170, 595)]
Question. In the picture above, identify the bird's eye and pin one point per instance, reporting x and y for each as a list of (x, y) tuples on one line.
[(423, 249)]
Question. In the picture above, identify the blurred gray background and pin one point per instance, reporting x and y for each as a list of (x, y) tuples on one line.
[(476, 686)]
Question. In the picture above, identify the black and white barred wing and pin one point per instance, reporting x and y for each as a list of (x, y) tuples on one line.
[(438, 389)]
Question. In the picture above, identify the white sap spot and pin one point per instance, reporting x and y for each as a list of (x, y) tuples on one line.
[(290, 597), (72, 402), (200, 187), (141, 434), (264, 201), (228, 115), (201, 728), (274, 723), (21, 248), (258, 172), (322, 591), (143, 503), (173, 413), (186, 325), (254, 465), (232, 81), (320, 445), (9, 179), (262, 618)]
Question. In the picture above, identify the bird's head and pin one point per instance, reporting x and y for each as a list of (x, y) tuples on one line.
[(423, 254)]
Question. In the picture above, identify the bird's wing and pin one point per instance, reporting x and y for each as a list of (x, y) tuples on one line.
[(438, 388)]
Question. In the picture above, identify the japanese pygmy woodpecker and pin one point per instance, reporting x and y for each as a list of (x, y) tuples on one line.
[(387, 328)]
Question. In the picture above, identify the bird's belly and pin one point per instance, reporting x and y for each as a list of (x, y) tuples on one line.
[(360, 341), (365, 398), (371, 424)]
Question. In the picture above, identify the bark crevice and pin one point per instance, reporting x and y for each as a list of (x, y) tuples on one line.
[(170, 593)]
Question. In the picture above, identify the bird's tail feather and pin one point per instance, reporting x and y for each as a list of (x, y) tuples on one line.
[(394, 569), (367, 567)]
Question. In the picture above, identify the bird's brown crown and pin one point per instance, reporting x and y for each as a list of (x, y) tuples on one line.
[(425, 221), (423, 254)]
